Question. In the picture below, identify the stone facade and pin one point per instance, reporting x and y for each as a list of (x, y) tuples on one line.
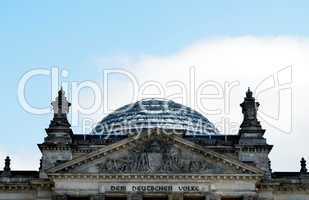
[(156, 163)]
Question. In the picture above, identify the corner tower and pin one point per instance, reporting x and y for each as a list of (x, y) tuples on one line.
[(254, 149), (56, 147), (59, 130)]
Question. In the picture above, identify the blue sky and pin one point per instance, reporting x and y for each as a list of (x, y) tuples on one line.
[(74, 34)]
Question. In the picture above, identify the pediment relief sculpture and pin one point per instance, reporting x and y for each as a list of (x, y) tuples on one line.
[(154, 154), (159, 156)]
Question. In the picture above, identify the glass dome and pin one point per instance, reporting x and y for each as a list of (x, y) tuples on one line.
[(149, 114)]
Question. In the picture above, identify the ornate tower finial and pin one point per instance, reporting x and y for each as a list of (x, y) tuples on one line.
[(303, 165), (250, 122), (59, 128), (61, 108), (61, 105), (249, 93), (7, 167)]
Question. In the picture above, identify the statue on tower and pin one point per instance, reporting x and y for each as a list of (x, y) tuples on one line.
[(61, 105), (59, 130), (61, 108), (249, 110), (250, 122)]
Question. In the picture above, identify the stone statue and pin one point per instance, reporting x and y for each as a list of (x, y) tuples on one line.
[(155, 156)]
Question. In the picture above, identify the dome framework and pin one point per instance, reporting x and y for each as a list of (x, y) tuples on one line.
[(148, 114)]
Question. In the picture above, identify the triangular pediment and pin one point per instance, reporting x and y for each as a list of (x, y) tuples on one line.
[(154, 154)]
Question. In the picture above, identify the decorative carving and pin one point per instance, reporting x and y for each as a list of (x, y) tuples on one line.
[(155, 156), (61, 108), (249, 110), (250, 125)]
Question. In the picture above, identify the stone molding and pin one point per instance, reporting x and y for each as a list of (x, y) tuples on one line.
[(284, 187), (155, 177)]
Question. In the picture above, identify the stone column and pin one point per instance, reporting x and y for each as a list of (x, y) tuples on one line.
[(175, 196), (135, 196), (98, 197), (212, 196)]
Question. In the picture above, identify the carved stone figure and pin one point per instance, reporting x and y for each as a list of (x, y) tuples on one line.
[(154, 156), (249, 110)]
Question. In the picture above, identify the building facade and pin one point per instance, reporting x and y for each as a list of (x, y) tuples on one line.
[(154, 149)]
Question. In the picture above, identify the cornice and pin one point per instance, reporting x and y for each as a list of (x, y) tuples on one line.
[(284, 187), (15, 187), (26, 186), (157, 177)]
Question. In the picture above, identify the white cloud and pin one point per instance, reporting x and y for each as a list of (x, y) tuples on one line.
[(248, 60)]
